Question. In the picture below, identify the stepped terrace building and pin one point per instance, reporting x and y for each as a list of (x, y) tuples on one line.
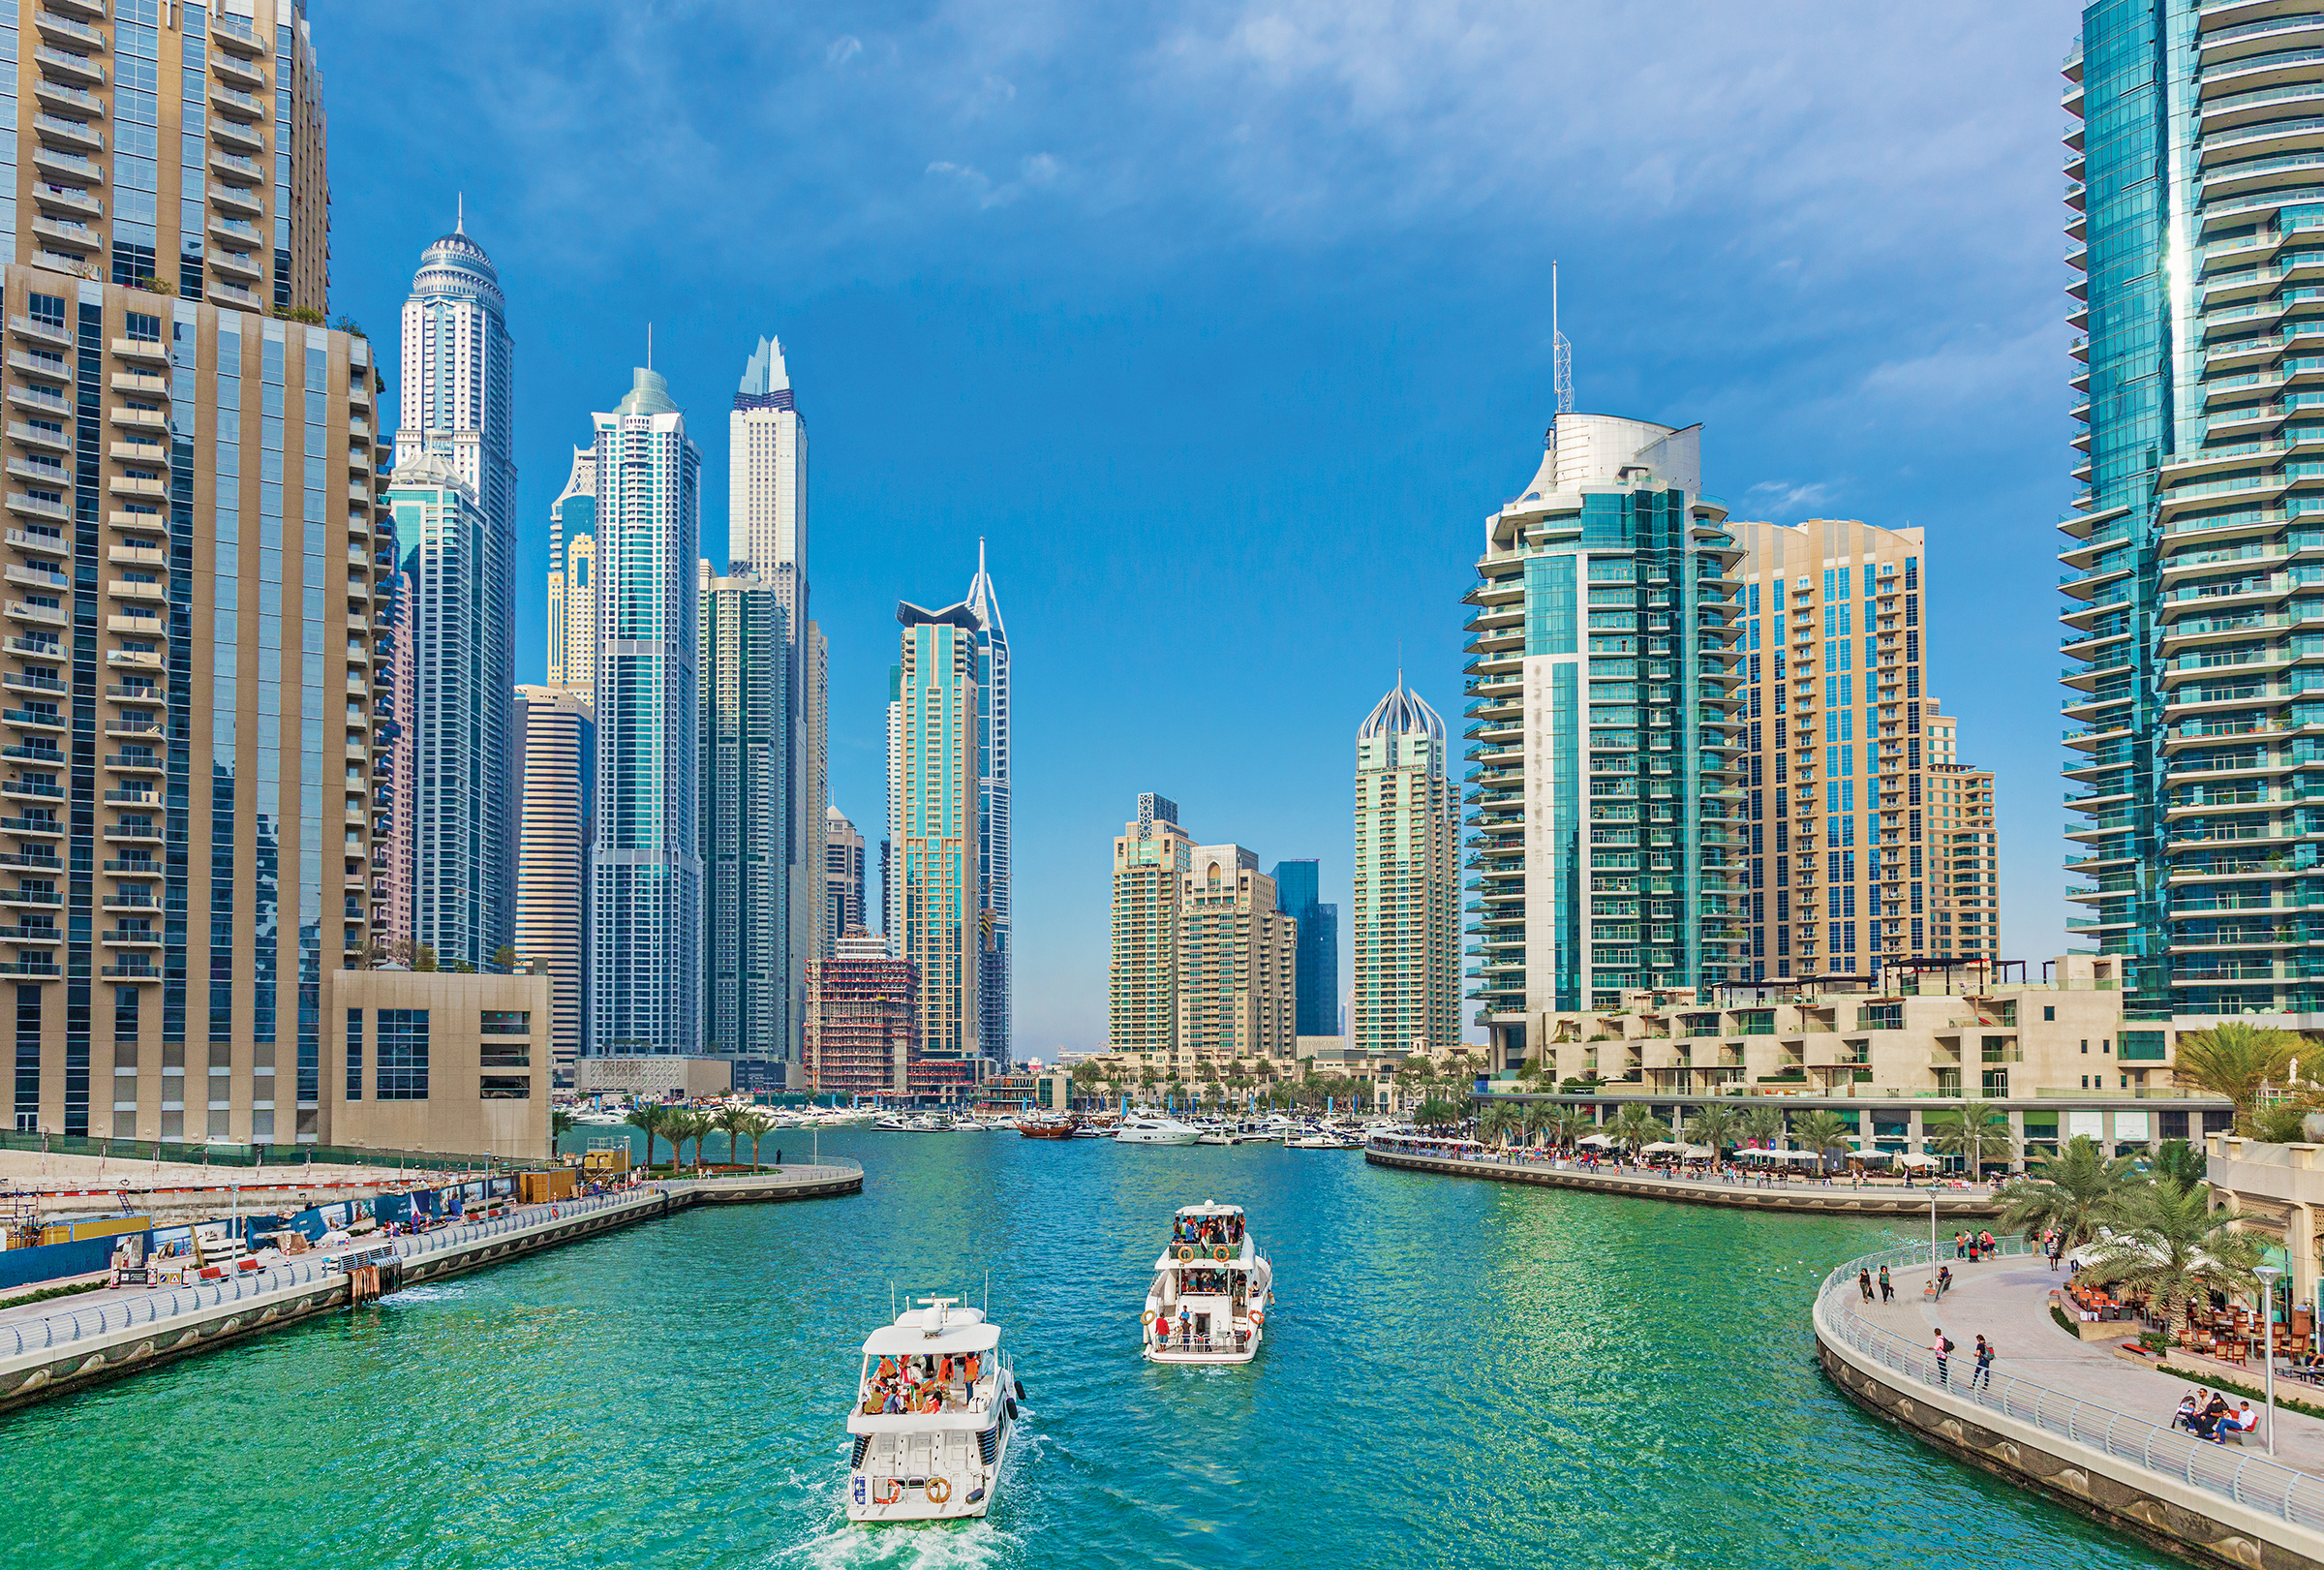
[(1605, 730)]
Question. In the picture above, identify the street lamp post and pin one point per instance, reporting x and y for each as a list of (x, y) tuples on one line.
[(2267, 1275)]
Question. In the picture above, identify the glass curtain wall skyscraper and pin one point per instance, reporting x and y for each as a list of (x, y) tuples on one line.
[(934, 779), (645, 964), (767, 533), (744, 777), (993, 818), (1298, 889), (1604, 726), (2192, 196)]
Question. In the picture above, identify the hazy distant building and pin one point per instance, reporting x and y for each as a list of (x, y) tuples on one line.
[(556, 741), (1299, 890), (843, 874), (573, 578), (744, 777), (1407, 882), (645, 951)]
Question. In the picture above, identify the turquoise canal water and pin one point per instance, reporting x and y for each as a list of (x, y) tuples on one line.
[(1458, 1374)]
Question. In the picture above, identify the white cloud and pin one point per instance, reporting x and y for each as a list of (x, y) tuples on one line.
[(1777, 498), (843, 48)]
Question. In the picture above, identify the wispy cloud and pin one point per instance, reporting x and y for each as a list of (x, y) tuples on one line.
[(1784, 499)]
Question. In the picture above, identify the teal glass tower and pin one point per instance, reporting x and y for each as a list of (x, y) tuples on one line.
[(1608, 846), (2195, 554), (1298, 895)]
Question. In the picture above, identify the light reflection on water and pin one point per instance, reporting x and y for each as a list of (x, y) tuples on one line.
[(1458, 1374)]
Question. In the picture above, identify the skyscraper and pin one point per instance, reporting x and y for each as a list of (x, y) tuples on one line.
[(2191, 196), (767, 531), (744, 776), (557, 742), (860, 1039), (1832, 651), (933, 775), (454, 429), (993, 816), (1298, 891), (457, 791), (1150, 858), (1407, 882), (574, 576), (208, 127), (1607, 725), (645, 951), (1238, 965), (843, 874), (891, 877), (1965, 852)]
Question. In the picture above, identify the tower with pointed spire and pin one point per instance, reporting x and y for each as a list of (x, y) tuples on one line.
[(993, 818), (1407, 882)]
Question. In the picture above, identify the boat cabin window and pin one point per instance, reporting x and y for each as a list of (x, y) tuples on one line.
[(923, 1381), (1208, 1231)]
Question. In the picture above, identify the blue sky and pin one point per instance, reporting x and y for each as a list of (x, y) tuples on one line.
[(1226, 325)]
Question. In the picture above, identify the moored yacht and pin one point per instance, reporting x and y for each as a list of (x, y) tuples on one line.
[(936, 1405), (1154, 1129), (1212, 1293)]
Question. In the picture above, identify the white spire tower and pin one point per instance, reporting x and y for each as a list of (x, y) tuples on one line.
[(993, 816)]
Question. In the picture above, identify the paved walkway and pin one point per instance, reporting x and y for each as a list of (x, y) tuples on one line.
[(2007, 1301)]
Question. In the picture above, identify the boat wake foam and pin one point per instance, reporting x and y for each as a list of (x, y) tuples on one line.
[(932, 1545)]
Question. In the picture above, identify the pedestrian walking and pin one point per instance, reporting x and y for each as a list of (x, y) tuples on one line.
[(1942, 1347), (1864, 1283), (1984, 1370), (1887, 1288)]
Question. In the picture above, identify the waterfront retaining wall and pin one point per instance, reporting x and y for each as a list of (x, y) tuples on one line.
[(74, 1348), (1800, 1198)]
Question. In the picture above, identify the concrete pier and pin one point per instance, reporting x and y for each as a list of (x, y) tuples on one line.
[(60, 1347)]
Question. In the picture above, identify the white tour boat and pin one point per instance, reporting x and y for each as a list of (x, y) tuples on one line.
[(1152, 1129), (934, 1407), (1212, 1290)]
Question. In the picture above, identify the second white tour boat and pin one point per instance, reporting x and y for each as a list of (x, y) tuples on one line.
[(936, 1405), (1212, 1290)]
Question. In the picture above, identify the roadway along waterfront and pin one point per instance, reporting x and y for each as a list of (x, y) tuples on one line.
[(1458, 1374)]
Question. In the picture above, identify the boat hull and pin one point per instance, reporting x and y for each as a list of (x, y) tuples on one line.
[(1153, 1137)]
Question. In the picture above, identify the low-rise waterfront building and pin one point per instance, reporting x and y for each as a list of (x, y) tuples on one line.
[(2276, 1193), (1896, 1058), (434, 1061)]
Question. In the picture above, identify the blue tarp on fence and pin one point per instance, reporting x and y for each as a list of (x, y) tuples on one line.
[(21, 1267)]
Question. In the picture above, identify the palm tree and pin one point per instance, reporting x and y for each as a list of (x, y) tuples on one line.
[(2180, 1163), (1569, 1124), (2236, 1060), (2168, 1244), (694, 1126), (560, 1124), (1764, 1126), (1497, 1121), (1821, 1131), (2072, 1193), (1637, 1127), (1981, 1135), (648, 1120), (1714, 1125), (1088, 1077), (759, 1124), (735, 1123)]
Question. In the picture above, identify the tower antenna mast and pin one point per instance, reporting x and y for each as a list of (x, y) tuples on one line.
[(1561, 352)]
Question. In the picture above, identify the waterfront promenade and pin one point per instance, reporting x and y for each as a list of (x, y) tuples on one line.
[(1738, 1190), (51, 1349), (2063, 1417)]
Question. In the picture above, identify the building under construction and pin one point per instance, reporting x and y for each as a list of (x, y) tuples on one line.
[(860, 1037)]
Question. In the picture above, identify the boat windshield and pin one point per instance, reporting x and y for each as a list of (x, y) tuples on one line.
[(1206, 1231), (927, 1382)]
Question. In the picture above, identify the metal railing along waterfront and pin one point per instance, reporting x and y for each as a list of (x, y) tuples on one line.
[(69, 1325), (2252, 1481)]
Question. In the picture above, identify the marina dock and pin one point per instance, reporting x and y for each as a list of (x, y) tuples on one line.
[(1802, 1197), (60, 1347)]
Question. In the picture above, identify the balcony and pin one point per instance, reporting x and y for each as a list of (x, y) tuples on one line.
[(152, 387), (236, 228), (50, 91), (236, 34), (234, 133), (55, 131), (70, 236), (60, 165), (245, 265), (237, 72), (133, 833), (131, 938), (152, 420), (226, 293), (59, 65)]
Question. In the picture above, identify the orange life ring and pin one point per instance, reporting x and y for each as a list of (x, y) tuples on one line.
[(1185, 1252), (1258, 1318), (1220, 1254), (938, 1489), (894, 1494), (1146, 1318)]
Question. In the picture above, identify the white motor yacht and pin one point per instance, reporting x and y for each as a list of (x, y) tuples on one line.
[(1212, 1293), (1154, 1129), (935, 1408)]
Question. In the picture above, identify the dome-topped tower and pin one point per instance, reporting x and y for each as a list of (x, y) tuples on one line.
[(1406, 883), (454, 264)]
